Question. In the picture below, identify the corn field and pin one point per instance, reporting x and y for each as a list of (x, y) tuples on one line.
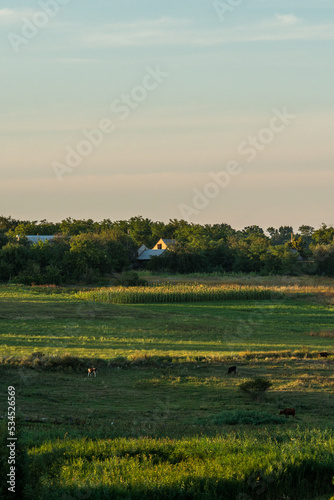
[(153, 294)]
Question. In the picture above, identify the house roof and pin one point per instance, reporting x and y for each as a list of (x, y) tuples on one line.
[(36, 238), (144, 253), (147, 254), (295, 252), (168, 241), (141, 250)]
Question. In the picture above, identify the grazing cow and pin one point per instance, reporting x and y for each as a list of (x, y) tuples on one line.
[(323, 354), (288, 411), (232, 369), (91, 371)]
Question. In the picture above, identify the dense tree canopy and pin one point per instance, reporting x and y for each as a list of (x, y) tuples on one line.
[(86, 250)]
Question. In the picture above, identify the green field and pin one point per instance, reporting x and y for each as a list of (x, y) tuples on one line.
[(163, 419)]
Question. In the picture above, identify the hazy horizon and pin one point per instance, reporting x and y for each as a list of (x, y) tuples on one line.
[(210, 112)]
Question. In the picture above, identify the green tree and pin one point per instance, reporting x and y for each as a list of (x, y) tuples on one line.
[(324, 258), (248, 247), (306, 232), (218, 256), (140, 231), (179, 259), (281, 235), (95, 254), (7, 223), (3, 238), (299, 244), (74, 227), (323, 236), (13, 260), (253, 231), (280, 259)]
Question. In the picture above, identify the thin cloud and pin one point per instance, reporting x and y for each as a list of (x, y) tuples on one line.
[(144, 32), (173, 32), (76, 60), (13, 16), (287, 19), (163, 22)]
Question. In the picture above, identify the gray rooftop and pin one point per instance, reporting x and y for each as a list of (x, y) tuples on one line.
[(168, 241), (36, 238), (147, 254)]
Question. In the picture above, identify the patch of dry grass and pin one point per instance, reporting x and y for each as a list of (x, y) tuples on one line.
[(325, 334)]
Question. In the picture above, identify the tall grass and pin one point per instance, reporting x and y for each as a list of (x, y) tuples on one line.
[(167, 293), (294, 464)]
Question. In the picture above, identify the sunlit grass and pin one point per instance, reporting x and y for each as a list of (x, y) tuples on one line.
[(163, 419), (295, 462)]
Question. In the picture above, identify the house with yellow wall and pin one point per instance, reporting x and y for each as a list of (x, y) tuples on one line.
[(144, 254)]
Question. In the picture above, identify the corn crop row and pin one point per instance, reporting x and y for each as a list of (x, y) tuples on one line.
[(175, 294)]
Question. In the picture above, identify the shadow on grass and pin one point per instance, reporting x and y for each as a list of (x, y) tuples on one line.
[(301, 482)]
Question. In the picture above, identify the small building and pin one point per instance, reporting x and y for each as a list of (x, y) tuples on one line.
[(163, 244), (295, 252), (144, 254), (35, 238)]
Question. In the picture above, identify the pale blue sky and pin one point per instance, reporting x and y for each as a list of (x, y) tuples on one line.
[(222, 77)]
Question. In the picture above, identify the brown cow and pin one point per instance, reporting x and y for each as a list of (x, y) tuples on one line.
[(232, 369), (323, 354), (288, 411), (91, 371)]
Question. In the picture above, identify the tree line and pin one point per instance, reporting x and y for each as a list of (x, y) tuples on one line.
[(90, 251)]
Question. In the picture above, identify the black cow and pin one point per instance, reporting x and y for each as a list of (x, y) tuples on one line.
[(288, 411)]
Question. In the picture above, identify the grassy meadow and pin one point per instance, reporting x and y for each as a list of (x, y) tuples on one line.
[(163, 419)]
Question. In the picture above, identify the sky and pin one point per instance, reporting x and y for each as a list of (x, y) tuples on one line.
[(204, 110)]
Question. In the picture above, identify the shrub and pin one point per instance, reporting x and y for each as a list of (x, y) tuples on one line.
[(255, 387)]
